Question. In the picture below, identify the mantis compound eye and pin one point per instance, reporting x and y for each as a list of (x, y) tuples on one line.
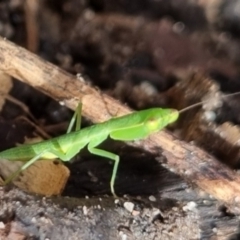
[(152, 124)]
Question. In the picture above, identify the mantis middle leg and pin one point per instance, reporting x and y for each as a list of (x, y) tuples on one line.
[(76, 116), (102, 153)]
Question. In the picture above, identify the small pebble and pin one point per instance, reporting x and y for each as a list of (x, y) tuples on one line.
[(191, 206), (123, 235), (135, 213), (152, 198), (156, 212), (215, 230), (2, 225), (129, 206), (85, 210)]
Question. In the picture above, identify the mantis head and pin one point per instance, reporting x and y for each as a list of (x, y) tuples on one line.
[(160, 118)]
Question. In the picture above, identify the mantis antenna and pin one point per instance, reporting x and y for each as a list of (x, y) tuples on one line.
[(206, 101)]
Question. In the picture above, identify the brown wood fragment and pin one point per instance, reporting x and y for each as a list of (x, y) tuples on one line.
[(44, 177), (189, 161)]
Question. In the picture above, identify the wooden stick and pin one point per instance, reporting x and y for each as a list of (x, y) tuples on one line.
[(189, 161)]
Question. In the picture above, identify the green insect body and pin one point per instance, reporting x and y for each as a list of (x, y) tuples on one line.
[(134, 126), (130, 127)]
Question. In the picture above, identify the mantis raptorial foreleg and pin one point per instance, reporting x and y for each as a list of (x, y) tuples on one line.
[(102, 153)]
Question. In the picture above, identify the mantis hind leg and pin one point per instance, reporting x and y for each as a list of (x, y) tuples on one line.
[(22, 168), (76, 118), (102, 153), (59, 154)]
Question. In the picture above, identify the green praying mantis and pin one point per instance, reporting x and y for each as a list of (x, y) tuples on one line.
[(134, 126)]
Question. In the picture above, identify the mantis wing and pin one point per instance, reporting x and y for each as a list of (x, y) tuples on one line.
[(130, 133)]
